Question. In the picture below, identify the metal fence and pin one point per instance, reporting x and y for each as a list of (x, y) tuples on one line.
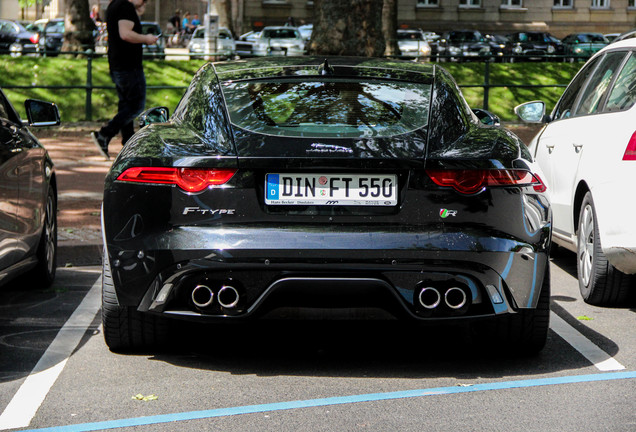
[(89, 87)]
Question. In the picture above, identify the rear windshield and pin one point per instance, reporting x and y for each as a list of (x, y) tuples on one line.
[(334, 108)]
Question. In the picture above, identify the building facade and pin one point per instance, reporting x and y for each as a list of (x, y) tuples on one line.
[(559, 17)]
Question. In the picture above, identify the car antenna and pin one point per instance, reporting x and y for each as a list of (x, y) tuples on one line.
[(326, 68)]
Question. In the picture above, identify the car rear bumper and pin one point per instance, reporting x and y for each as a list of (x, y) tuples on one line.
[(266, 269)]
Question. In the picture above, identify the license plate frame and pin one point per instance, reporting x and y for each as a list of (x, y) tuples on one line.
[(333, 189)]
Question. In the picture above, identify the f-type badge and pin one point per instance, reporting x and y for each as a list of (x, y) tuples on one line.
[(444, 213)]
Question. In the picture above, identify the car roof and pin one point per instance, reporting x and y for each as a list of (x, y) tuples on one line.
[(625, 43)]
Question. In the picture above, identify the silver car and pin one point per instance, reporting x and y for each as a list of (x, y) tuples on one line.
[(285, 41), (225, 45), (413, 44)]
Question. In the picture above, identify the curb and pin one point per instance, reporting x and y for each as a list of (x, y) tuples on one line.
[(75, 254)]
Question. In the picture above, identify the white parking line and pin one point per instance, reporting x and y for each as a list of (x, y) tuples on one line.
[(31, 394), (598, 357)]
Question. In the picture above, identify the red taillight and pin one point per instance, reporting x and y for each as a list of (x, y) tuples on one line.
[(188, 179), (473, 181), (630, 151), (35, 38)]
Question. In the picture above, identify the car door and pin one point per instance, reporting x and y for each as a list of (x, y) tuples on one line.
[(9, 187), (554, 147), (583, 139)]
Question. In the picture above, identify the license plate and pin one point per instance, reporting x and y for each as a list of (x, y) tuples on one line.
[(331, 189)]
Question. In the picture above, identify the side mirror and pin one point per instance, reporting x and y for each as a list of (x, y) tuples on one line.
[(154, 115), (531, 112), (486, 117), (40, 113)]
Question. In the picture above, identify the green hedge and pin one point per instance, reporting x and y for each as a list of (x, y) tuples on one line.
[(61, 71)]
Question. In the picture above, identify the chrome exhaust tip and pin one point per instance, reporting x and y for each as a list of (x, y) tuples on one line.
[(202, 296), (429, 297), (228, 297), (455, 298)]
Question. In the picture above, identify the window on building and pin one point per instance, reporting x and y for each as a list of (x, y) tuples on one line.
[(563, 3), (428, 3), (631, 4), (470, 3), (512, 3), (601, 4)]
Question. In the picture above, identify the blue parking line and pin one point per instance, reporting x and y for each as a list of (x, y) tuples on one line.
[(312, 403)]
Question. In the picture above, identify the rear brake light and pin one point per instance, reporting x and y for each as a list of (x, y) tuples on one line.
[(630, 151), (473, 181), (35, 37), (188, 179)]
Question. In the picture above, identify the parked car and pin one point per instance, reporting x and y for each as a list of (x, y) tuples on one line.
[(51, 36), (225, 45), (292, 183), (244, 45), (285, 41), (583, 45), (413, 44), (28, 223), (16, 40), (587, 151), (534, 46), (158, 49), (458, 45), (611, 36), (627, 35), (499, 46)]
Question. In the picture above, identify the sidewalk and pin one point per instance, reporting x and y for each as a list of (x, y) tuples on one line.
[(80, 171), (80, 175)]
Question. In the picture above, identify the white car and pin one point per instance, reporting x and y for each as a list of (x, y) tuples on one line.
[(413, 44), (285, 41), (587, 151), (225, 45)]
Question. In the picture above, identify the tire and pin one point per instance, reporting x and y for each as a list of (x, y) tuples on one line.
[(600, 283), (521, 334), (44, 272), (126, 329)]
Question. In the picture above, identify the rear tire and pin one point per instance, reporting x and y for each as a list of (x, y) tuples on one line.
[(523, 333), (600, 283), (126, 329)]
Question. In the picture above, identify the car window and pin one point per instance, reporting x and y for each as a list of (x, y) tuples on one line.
[(599, 82), (55, 27), (623, 94), (6, 109), (564, 107), (338, 108)]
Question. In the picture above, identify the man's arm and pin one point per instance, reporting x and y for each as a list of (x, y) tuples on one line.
[(127, 33)]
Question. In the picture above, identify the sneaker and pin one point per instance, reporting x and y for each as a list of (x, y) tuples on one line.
[(101, 142)]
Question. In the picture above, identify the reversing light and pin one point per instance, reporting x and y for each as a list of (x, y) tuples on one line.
[(630, 151), (469, 182), (188, 179)]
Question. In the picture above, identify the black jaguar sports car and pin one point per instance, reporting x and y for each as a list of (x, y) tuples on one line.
[(304, 184)]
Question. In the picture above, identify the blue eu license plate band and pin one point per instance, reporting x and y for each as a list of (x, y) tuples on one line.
[(331, 189)]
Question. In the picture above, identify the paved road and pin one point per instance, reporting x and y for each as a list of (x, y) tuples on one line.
[(317, 378)]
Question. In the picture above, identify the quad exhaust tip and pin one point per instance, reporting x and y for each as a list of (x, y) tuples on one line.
[(431, 298), (228, 297), (202, 296)]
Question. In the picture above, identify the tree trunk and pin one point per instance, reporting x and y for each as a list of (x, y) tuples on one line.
[(230, 15), (78, 27), (389, 27), (348, 28)]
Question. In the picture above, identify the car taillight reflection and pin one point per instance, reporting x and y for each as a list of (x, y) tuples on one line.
[(188, 179), (470, 182)]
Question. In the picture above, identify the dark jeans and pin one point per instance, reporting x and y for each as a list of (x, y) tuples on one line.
[(131, 89)]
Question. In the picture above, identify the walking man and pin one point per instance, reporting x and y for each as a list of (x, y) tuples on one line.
[(125, 51)]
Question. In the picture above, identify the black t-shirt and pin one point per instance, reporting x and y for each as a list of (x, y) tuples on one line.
[(122, 55)]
